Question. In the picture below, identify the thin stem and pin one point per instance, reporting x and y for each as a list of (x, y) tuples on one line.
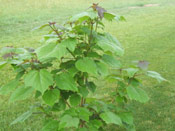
[(84, 38), (48, 115), (90, 36), (68, 58), (96, 25), (67, 103), (56, 31), (82, 102), (138, 74), (82, 123), (71, 53)]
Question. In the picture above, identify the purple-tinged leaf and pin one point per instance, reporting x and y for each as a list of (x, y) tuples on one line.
[(99, 9), (143, 64), (8, 55)]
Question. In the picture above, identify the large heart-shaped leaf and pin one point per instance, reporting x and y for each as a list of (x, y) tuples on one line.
[(155, 75), (2, 64), (22, 117), (51, 96), (94, 125), (21, 93), (86, 65), (83, 91), (126, 117), (131, 71), (108, 43), (51, 50), (84, 113), (110, 117), (50, 125), (136, 93), (111, 61), (69, 121), (56, 50), (39, 80), (69, 43), (84, 16), (65, 81), (9, 87), (75, 99), (109, 16), (102, 69)]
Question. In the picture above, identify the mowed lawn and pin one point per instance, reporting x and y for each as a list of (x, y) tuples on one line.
[(148, 34)]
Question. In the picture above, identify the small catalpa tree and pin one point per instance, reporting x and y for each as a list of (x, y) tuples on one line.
[(61, 74)]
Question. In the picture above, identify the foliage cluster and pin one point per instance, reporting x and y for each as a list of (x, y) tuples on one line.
[(61, 74)]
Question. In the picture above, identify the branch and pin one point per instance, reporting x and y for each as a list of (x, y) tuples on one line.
[(96, 25), (71, 53), (90, 36), (56, 31), (67, 103)]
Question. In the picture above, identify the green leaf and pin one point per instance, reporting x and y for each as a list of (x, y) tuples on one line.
[(39, 80), (155, 75), (51, 96), (81, 29), (65, 81), (41, 27), (91, 86), (9, 87), (109, 43), (2, 64), (120, 99), (69, 121), (72, 71), (83, 91), (120, 18), (137, 94), (68, 64), (86, 65), (75, 99), (21, 93), (20, 74), (110, 117), (84, 114), (37, 94), (84, 16), (22, 118), (113, 78), (50, 125), (7, 50), (69, 43), (131, 71), (72, 112), (61, 105), (95, 124), (109, 16), (102, 69), (126, 117), (56, 50), (135, 82), (111, 61), (51, 50), (93, 55)]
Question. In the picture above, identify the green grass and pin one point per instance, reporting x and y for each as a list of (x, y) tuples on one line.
[(148, 34)]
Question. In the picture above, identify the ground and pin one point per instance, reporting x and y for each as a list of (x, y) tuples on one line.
[(148, 34)]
